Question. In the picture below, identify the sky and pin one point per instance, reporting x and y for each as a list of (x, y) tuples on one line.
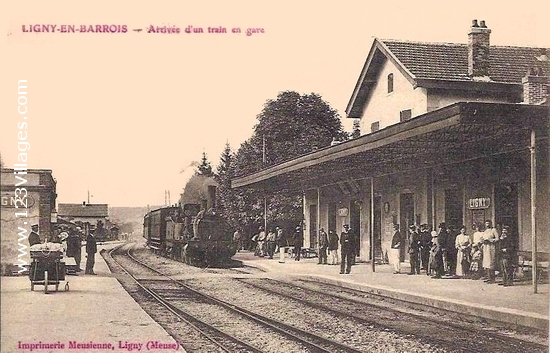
[(120, 115)]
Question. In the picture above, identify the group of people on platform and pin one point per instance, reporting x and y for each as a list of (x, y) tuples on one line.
[(267, 244), (443, 253), (71, 240), (328, 248)]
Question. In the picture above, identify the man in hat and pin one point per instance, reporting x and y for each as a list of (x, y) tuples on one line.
[(333, 247), (443, 241), (34, 238), (347, 248), (395, 250), (323, 244), (507, 253), (74, 247), (91, 249), (261, 242), (270, 242), (425, 245), (414, 250)]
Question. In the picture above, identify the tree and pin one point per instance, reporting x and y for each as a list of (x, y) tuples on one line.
[(224, 172), (226, 198), (292, 125), (288, 126), (204, 168)]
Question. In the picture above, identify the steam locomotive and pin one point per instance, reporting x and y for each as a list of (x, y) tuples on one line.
[(191, 232)]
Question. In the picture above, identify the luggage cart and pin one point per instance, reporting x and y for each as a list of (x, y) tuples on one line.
[(47, 269)]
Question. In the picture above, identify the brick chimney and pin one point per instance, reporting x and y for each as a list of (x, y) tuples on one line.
[(478, 51), (535, 86)]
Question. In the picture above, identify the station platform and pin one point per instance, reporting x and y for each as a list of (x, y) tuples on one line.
[(517, 305), (95, 311)]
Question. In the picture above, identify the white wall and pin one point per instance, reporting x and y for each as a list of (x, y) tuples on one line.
[(385, 107)]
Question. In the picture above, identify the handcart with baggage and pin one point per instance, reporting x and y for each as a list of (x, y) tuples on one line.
[(47, 267)]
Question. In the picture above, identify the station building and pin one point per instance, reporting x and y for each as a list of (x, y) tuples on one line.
[(86, 215), (38, 206), (454, 133)]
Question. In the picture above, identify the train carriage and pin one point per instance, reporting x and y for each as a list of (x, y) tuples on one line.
[(154, 228)]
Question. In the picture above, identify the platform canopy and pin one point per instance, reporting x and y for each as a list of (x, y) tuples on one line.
[(460, 132)]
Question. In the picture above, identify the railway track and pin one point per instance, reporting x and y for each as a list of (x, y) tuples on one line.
[(206, 338), (346, 303), (360, 320), (174, 296)]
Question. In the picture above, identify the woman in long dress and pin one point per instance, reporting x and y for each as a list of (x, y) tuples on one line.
[(463, 245)]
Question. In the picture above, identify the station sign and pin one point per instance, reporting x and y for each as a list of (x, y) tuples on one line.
[(8, 201), (479, 203)]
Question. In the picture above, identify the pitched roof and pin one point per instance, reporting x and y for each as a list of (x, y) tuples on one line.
[(441, 64), (80, 210), (449, 61)]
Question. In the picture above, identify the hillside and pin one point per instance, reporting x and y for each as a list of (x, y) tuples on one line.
[(129, 219)]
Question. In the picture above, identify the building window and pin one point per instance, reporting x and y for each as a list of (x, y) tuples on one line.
[(390, 83), (375, 126), (405, 115)]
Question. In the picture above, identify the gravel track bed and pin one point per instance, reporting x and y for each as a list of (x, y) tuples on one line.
[(190, 339), (381, 318), (224, 319), (326, 324), (430, 314)]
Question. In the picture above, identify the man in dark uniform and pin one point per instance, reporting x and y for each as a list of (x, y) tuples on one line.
[(506, 257), (74, 248), (414, 250), (347, 248), (443, 242), (91, 249), (425, 245), (323, 244), (34, 238)]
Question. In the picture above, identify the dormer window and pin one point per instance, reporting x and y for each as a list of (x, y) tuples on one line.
[(390, 83)]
